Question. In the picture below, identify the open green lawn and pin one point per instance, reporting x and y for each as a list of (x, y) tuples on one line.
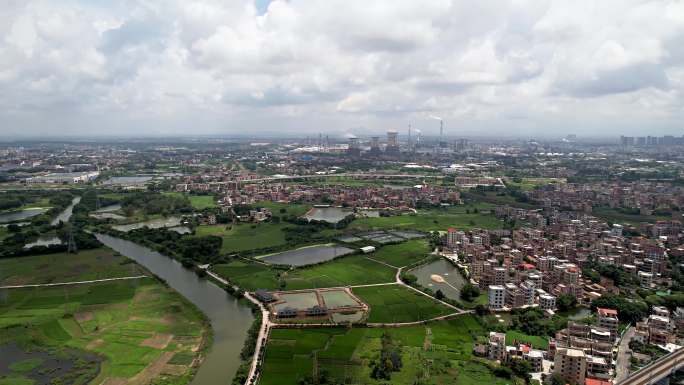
[(536, 341), (528, 184), (615, 216), (403, 254), (201, 202), (277, 209), (113, 196), (345, 271), (396, 303), (433, 220), (42, 202), (495, 199), (346, 355), (249, 275), (350, 270), (62, 267), (130, 324), (246, 236)]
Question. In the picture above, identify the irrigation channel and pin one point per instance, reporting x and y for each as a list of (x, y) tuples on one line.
[(229, 319)]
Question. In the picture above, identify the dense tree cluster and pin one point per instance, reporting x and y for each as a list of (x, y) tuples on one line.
[(628, 310), (152, 203), (532, 321), (566, 302), (469, 292), (389, 360)]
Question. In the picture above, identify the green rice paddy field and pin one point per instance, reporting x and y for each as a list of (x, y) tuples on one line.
[(345, 271), (62, 267), (246, 236), (433, 220), (345, 355), (403, 254), (398, 304), (132, 324)]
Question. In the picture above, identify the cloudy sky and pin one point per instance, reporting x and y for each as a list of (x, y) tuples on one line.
[(157, 67)]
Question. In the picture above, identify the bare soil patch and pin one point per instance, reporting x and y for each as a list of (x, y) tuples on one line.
[(83, 316), (114, 381), (152, 370), (157, 341), (95, 344)]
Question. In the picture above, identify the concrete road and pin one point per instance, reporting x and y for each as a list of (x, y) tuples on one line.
[(622, 365)]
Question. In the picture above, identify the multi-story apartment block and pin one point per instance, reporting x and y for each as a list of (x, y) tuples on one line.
[(571, 365), (497, 297)]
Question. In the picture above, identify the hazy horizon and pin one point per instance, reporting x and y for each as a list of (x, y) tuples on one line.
[(257, 68)]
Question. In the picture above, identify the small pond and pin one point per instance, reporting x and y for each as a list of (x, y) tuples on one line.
[(108, 208), (347, 317), (338, 298), (181, 229), (307, 255), (20, 215), (44, 368), (44, 241), (107, 215), (127, 180), (152, 224), (327, 214), (299, 301), (452, 283)]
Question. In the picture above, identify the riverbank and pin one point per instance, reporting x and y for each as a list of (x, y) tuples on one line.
[(229, 318), (86, 321)]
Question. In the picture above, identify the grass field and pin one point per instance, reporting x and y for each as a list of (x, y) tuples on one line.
[(351, 270), (289, 208), (136, 326), (63, 267), (536, 341), (395, 303), (248, 275), (246, 236), (198, 202), (201, 202), (528, 184), (493, 199), (346, 354), (615, 216), (403, 254), (433, 220)]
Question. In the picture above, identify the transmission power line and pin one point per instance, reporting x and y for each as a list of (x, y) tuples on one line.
[(72, 248)]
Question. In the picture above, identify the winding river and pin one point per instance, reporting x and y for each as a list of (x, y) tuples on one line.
[(229, 319), (66, 214)]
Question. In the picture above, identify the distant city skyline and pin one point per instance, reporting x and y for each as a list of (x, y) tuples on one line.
[(175, 68)]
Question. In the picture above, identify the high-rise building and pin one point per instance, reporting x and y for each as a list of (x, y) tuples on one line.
[(392, 143), (571, 365), (375, 145), (452, 237)]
